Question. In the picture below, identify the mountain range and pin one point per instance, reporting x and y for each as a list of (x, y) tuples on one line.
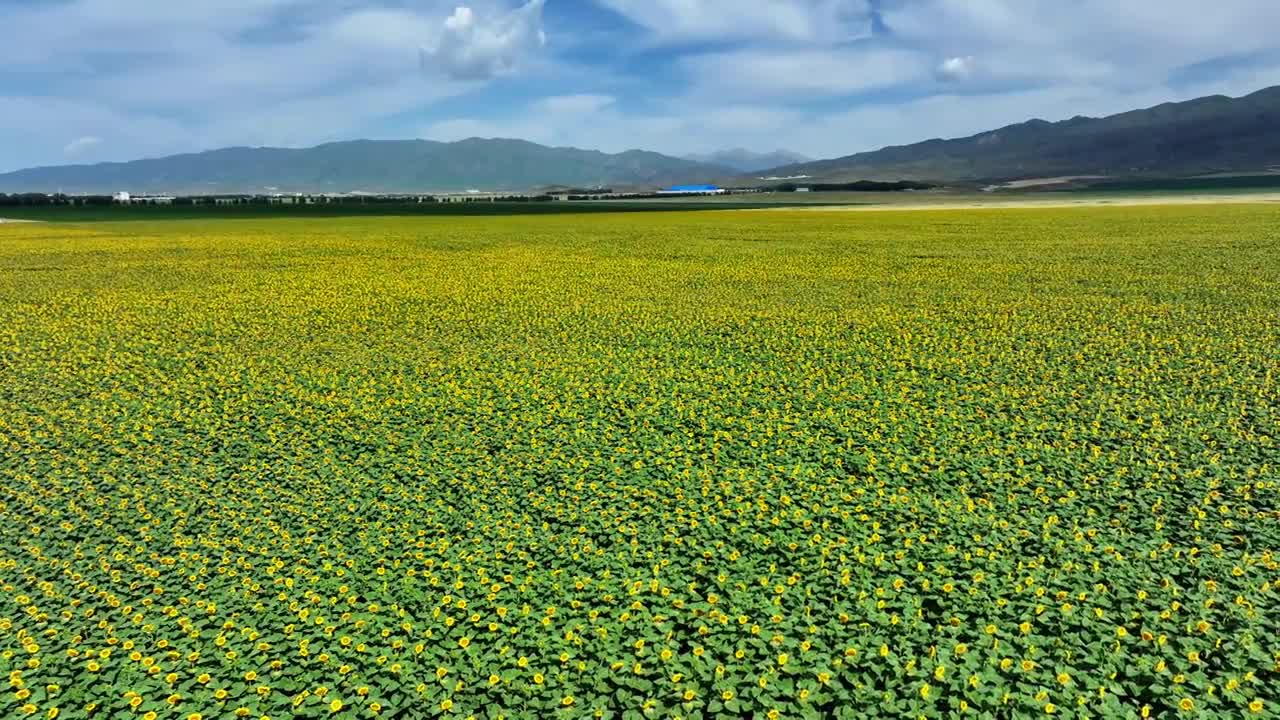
[(1213, 134), (368, 166)]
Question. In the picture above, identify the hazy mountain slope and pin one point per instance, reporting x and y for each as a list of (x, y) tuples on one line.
[(744, 160), (1207, 135), (368, 165), (1211, 134)]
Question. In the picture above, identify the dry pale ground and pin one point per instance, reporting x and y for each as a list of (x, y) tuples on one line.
[(979, 203), (1039, 182)]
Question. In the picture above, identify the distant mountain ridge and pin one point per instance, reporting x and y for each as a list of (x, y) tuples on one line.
[(744, 160), (1207, 135), (370, 166)]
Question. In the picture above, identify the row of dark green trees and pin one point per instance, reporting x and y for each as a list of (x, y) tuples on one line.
[(56, 200)]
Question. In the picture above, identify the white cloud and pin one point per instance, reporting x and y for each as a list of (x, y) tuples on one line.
[(45, 123), (153, 78), (57, 35), (748, 119), (956, 69), (808, 73), (471, 47), (1133, 43), (80, 145), (340, 115), (574, 104), (200, 75), (457, 129), (674, 129), (719, 19), (372, 28), (958, 115), (690, 124)]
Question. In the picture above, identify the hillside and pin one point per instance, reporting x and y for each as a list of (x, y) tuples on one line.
[(1207, 135), (367, 165), (744, 160)]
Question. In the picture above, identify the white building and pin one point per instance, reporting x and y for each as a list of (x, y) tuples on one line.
[(121, 197)]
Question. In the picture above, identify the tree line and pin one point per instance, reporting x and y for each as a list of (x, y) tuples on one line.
[(58, 199)]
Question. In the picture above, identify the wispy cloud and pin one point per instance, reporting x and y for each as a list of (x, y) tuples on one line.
[(764, 73), (795, 20), (574, 104), (80, 145)]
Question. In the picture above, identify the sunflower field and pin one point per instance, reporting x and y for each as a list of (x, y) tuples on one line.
[(793, 464)]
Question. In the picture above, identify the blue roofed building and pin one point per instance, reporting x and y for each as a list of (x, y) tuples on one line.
[(692, 190)]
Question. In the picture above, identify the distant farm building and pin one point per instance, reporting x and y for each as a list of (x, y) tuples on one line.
[(692, 190), (125, 198)]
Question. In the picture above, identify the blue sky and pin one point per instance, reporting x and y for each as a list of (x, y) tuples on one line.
[(95, 80)]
